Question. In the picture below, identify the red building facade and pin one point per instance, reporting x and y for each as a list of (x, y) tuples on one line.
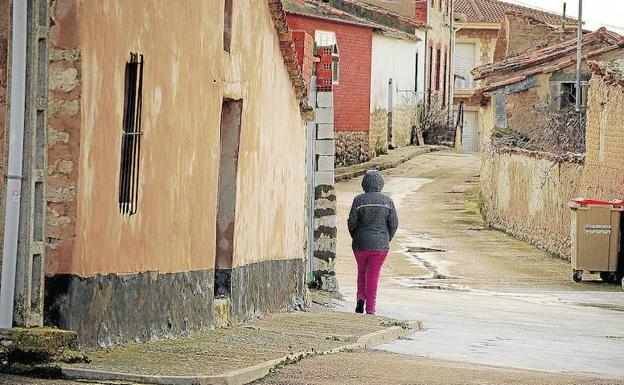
[(351, 86)]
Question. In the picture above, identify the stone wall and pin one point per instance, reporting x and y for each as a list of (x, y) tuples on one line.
[(65, 90), (378, 133), (323, 270), (526, 193), (404, 117), (521, 33), (352, 147)]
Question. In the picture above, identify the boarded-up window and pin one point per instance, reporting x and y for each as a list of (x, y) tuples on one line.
[(131, 136)]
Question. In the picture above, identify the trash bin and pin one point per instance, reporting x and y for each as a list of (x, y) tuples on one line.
[(595, 234)]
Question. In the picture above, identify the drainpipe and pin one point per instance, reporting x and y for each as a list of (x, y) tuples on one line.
[(311, 171), (14, 169), (451, 74), (579, 57)]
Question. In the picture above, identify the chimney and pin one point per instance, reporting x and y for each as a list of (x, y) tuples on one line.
[(421, 10)]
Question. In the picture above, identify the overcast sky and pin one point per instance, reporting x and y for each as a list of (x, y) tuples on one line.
[(596, 13)]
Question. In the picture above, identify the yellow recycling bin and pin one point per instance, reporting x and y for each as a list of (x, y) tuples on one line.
[(595, 234)]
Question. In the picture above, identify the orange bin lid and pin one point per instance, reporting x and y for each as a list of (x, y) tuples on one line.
[(586, 201)]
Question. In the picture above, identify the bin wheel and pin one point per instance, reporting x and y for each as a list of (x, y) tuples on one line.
[(577, 276), (608, 277)]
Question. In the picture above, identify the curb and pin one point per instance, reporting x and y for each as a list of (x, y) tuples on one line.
[(345, 173), (244, 375)]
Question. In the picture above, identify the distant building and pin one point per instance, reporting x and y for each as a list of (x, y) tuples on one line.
[(521, 91), (360, 34), (478, 43)]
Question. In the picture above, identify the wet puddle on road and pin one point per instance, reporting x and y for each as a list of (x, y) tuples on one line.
[(422, 253)]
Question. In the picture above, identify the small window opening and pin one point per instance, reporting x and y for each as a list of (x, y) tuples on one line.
[(328, 39), (131, 136), (227, 24), (567, 97)]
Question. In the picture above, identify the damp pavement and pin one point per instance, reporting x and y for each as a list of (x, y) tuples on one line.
[(495, 310), (226, 350), (485, 298)]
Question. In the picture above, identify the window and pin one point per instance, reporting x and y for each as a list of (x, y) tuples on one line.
[(438, 69), (567, 98), (465, 61), (328, 39), (444, 79), (131, 136), (227, 24)]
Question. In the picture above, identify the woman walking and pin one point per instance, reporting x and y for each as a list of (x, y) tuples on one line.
[(372, 222)]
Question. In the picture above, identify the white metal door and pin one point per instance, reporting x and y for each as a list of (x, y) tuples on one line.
[(470, 131)]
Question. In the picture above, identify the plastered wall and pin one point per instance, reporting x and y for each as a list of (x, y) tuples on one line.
[(187, 74), (526, 193)]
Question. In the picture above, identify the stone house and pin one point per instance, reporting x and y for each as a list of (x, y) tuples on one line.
[(477, 43), (349, 26), (525, 190), (176, 166), (520, 92)]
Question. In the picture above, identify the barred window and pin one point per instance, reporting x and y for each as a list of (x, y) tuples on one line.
[(131, 136)]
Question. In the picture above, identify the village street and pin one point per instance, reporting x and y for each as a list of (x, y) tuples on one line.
[(484, 298)]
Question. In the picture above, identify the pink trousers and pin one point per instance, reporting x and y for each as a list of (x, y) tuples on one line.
[(369, 266)]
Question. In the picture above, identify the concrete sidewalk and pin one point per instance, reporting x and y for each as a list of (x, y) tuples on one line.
[(237, 355), (384, 162)]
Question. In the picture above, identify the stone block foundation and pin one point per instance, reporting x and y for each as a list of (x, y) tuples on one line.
[(352, 147), (109, 310)]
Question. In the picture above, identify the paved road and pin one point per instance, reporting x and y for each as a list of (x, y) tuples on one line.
[(485, 298)]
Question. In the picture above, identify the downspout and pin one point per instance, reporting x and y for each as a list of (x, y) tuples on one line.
[(14, 169), (311, 171), (427, 85), (451, 74)]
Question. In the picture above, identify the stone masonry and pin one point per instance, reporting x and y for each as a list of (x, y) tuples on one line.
[(378, 133), (527, 192), (352, 147), (63, 130), (325, 231)]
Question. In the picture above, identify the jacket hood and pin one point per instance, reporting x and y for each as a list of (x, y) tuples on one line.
[(372, 181)]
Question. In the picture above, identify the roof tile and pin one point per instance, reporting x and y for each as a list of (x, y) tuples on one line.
[(493, 11)]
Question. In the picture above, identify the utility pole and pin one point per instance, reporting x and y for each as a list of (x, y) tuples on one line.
[(563, 22), (579, 55)]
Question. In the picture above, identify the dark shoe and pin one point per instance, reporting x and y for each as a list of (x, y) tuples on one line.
[(359, 308)]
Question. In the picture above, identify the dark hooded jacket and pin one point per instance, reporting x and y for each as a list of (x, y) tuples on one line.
[(373, 220)]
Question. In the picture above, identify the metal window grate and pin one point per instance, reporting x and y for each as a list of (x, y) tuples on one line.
[(131, 137)]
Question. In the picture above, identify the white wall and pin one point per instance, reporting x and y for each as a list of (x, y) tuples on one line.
[(421, 47), (393, 59)]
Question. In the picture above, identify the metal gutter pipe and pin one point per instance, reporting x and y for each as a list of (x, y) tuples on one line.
[(14, 169)]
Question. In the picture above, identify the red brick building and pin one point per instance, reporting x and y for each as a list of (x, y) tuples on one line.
[(353, 38)]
